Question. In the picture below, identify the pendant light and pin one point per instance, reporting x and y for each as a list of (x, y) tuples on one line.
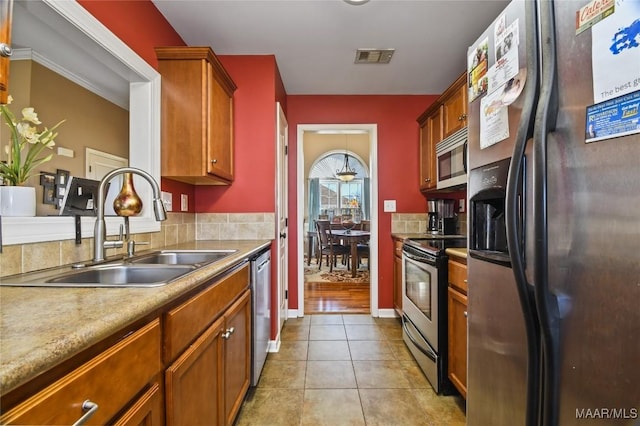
[(347, 173)]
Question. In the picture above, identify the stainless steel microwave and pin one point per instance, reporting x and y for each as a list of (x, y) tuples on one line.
[(451, 160)]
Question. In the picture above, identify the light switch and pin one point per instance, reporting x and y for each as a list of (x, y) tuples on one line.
[(184, 202), (461, 205), (389, 205), (167, 200)]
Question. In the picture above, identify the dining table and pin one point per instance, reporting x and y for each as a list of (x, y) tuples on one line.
[(352, 237)]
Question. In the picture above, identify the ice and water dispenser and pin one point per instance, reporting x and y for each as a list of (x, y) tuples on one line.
[(487, 192)]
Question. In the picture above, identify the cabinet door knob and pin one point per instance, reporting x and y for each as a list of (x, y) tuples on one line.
[(465, 314), (427, 180), (214, 161), (5, 50), (228, 333), (462, 117)]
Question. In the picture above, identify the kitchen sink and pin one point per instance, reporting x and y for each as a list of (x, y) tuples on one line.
[(152, 269), (182, 257), (117, 276)]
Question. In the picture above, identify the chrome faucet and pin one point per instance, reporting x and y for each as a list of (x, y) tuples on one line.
[(100, 230)]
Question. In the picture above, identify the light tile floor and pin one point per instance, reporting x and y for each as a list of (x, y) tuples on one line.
[(346, 370)]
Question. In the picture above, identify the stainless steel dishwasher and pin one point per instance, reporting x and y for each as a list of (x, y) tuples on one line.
[(261, 312)]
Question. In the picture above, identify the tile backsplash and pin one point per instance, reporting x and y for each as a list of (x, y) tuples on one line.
[(178, 228), (409, 223)]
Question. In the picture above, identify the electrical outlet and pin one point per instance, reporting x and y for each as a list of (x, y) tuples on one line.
[(461, 205), (389, 205), (167, 200), (184, 202)]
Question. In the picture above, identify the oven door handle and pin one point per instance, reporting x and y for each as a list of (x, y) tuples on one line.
[(427, 351), (421, 259)]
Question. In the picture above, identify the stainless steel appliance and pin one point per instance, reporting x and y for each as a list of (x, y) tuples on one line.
[(261, 312), (554, 226), (441, 217), (451, 165), (424, 305)]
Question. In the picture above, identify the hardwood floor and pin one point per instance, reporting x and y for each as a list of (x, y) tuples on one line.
[(352, 298)]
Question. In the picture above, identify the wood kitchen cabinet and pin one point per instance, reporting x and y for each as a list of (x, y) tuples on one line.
[(397, 275), (208, 380), (457, 323), (430, 134), (445, 116), (197, 116), (112, 380), (454, 107)]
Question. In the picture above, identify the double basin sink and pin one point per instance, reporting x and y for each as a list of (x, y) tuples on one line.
[(153, 269)]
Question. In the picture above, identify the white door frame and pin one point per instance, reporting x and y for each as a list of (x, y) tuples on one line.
[(282, 242), (372, 129)]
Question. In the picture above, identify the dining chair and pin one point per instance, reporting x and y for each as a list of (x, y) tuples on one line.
[(328, 248), (363, 247)]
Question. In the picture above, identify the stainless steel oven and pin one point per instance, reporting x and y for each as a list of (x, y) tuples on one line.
[(424, 305)]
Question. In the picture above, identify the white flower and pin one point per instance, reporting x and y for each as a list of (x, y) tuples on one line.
[(28, 114)]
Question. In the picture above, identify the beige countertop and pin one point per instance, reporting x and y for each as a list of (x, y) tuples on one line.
[(42, 327), (460, 252)]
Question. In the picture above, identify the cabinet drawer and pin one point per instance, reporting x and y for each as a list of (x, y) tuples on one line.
[(184, 323), (110, 380), (458, 275)]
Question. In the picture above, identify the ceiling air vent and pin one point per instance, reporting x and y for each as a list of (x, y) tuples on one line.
[(374, 56)]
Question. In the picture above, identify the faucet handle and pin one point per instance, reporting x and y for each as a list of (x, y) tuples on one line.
[(131, 247)]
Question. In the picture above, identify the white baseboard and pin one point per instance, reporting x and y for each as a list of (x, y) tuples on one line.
[(387, 313)]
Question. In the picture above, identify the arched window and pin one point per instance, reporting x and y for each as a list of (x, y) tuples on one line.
[(329, 196)]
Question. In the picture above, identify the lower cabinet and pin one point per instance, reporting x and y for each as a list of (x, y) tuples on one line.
[(207, 382), (146, 411), (202, 347), (237, 356), (397, 276), (457, 324), (110, 382), (193, 381)]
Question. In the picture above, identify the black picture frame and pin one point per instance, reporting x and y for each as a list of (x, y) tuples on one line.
[(62, 176), (47, 179), (49, 195)]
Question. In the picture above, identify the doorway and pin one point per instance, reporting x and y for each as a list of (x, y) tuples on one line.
[(306, 135)]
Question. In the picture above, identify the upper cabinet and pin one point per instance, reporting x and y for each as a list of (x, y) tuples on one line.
[(5, 48), (454, 106), (197, 116), (445, 116), (430, 134)]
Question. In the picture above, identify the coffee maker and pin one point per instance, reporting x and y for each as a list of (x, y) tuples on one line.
[(441, 217)]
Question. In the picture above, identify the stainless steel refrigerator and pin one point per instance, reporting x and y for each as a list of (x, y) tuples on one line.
[(554, 216)]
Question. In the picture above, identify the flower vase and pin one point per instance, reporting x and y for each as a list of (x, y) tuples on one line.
[(17, 201), (127, 202)]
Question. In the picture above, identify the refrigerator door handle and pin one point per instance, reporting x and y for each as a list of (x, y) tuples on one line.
[(546, 302), (515, 220)]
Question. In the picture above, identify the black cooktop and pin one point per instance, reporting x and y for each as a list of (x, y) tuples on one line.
[(436, 244)]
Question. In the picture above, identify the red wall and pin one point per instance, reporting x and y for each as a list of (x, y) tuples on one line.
[(253, 189), (395, 116), (138, 23), (142, 27)]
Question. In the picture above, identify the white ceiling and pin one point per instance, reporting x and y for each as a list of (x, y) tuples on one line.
[(314, 41)]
